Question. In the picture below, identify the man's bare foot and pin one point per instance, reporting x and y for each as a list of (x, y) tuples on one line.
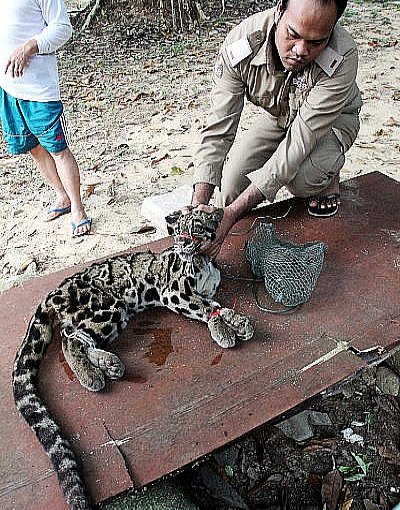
[(81, 224), (81, 227)]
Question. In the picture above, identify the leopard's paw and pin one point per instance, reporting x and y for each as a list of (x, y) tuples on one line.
[(222, 334), (240, 324), (106, 361)]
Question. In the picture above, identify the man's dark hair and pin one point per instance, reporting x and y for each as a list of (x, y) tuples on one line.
[(340, 5)]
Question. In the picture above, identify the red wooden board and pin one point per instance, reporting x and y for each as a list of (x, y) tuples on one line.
[(183, 396)]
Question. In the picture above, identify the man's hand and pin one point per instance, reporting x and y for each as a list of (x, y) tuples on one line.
[(226, 224), (20, 57), (248, 199)]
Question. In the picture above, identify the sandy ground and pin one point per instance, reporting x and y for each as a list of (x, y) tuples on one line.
[(134, 118)]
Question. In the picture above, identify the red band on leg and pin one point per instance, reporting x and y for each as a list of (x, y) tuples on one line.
[(215, 313)]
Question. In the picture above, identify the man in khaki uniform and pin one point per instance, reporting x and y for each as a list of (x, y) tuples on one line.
[(300, 67)]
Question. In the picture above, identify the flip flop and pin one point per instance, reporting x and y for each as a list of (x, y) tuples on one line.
[(329, 208), (57, 212), (85, 221)]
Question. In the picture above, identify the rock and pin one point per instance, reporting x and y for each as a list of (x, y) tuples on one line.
[(387, 381), (162, 495), (299, 426), (228, 456), (394, 362), (317, 418)]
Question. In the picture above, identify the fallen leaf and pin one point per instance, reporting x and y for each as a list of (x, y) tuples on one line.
[(139, 95), (390, 44), (347, 500), (383, 502), (90, 189), (95, 167), (331, 488), (157, 160), (176, 170), (320, 444), (315, 480), (142, 229), (364, 466), (391, 456), (111, 189)]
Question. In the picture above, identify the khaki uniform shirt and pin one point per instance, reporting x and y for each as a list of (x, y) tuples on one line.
[(306, 105)]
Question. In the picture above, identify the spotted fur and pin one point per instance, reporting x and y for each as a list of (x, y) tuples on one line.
[(92, 307)]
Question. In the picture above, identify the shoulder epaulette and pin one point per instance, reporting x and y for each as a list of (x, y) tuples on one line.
[(238, 51), (329, 60)]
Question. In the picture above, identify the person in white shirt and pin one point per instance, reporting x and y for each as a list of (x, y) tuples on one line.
[(31, 110)]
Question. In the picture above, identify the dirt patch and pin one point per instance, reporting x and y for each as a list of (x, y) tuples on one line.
[(134, 117)]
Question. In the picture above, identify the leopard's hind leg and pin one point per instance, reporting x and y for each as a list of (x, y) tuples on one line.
[(89, 364), (106, 361)]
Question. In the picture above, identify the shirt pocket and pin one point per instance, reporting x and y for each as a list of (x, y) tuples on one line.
[(264, 100)]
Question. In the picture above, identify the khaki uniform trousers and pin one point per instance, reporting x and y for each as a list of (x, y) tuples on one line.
[(259, 143)]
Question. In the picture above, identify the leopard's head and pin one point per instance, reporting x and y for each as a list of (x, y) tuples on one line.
[(194, 230)]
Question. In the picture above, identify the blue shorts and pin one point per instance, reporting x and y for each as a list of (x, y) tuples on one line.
[(27, 124)]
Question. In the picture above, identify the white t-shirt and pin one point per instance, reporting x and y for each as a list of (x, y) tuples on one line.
[(47, 22)]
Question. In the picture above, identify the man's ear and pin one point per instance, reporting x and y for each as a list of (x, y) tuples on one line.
[(171, 220)]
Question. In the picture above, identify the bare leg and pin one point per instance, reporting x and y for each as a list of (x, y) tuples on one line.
[(68, 172), (45, 164), (61, 171)]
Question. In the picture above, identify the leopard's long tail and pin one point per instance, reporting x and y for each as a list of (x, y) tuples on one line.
[(26, 367)]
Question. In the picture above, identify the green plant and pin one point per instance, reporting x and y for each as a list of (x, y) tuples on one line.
[(369, 419), (357, 472), (229, 471)]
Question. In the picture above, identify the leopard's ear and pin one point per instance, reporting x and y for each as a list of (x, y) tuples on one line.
[(171, 220)]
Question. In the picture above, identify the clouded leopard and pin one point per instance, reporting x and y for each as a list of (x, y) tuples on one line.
[(93, 306)]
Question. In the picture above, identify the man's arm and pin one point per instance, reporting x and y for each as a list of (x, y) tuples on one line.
[(314, 119), (202, 192), (57, 31), (248, 199), (227, 101)]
